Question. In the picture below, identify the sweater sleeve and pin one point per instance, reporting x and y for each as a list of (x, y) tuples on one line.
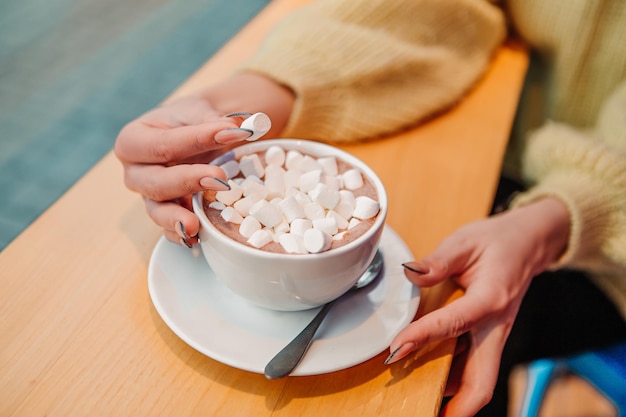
[(587, 171), (365, 68)]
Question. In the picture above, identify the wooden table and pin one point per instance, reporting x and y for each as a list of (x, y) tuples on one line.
[(79, 335)]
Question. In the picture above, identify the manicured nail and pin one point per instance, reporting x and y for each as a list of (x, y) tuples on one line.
[(399, 353), (239, 114), (236, 134), (213, 183), (413, 269), (390, 357), (184, 242), (180, 231)]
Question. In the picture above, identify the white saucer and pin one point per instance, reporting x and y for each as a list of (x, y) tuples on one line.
[(218, 323)]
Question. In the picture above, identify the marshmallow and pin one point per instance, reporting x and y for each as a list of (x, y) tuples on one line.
[(231, 168), (275, 180), (333, 182), (365, 207), (324, 196), (314, 211), (275, 155), (352, 179), (253, 188), (276, 201), (217, 205), (292, 159), (266, 213), (282, 227), (342, 222), (259, 124), (251, 165), (308, 163), (316, 241), (243, 205), (291, 209), (248, 226), (260, 238), (346, 204), (354, 222), (347, 197), (231, 215), (309, 180), (292, 243), (299, 226), (228, 197), (327, 224), (329, 165), (301, 198), (292, 178)]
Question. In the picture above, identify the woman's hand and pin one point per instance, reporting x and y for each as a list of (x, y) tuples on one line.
[(165, 151), (493, 260), (164, 154)]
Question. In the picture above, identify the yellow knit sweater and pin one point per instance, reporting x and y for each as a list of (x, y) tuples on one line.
[(362, 69)]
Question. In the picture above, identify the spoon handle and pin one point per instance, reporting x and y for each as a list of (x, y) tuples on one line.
[(290, 356)]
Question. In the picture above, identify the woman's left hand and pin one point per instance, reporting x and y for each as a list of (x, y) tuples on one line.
[(494, 261)]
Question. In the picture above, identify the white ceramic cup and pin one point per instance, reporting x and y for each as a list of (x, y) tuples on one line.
[(290, 282)]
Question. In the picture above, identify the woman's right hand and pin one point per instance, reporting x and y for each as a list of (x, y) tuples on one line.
[(165, 152)]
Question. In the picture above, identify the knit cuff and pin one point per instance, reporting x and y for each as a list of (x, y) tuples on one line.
[(589, 213)]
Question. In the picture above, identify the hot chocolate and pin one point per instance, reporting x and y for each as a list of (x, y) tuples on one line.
[(285, 201)]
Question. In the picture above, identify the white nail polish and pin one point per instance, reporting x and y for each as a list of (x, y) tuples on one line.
[(259, 124)]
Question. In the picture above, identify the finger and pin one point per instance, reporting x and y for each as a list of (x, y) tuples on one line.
[(141, 143), (162, 183), (179, 224), (449, 259), (479, 375), (422, 275), (203, 158), (458, 365), (450, 321), (175, 238), (239, 116)]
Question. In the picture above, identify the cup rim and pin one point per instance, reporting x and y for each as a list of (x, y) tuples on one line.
[(318, 149)]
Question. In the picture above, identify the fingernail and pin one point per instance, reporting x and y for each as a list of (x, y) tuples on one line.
[(413, 269), (213, 183), (239, 114), (390, 357), (184, 242), (236, 134), (180, 231), (399, 353)]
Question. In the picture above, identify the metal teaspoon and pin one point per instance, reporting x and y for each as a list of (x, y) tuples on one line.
[(290, 356)]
